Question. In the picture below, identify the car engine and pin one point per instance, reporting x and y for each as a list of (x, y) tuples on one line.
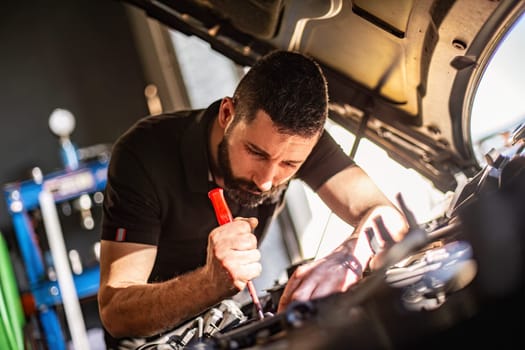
[(455, 283)]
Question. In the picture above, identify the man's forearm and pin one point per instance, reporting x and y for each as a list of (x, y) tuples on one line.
[(148, 309), (360, 245)]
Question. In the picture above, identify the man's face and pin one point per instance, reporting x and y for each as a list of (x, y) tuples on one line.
[(257, 162)]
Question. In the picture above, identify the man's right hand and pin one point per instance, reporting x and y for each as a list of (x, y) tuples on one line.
[(232, 256)]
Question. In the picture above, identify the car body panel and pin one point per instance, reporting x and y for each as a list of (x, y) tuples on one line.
[(401, 73)]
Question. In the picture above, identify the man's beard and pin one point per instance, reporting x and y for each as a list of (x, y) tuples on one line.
[(244, 192)]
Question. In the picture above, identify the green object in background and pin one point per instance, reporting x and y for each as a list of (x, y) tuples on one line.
[(12, 318)]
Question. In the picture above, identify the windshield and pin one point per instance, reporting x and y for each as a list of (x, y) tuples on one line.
[(499, 104)]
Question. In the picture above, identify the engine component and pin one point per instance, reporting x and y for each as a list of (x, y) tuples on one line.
[(427, 277)]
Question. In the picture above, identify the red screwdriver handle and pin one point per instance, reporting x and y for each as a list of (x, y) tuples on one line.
[(222, 212)]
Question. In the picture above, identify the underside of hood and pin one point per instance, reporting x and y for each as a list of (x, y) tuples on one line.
[(400, 73)]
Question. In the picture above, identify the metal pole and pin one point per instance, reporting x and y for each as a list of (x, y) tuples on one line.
[(66, 284)]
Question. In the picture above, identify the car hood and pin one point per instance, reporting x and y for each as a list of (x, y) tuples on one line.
[(400, 73)]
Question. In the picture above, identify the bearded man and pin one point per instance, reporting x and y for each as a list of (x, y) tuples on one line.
[(163, 257)]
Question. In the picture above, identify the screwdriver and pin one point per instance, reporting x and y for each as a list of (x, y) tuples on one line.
[(224, 216)]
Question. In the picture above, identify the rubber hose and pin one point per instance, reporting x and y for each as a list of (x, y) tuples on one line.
[(12, 312)]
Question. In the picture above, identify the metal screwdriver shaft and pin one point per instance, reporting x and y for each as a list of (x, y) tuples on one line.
[(224, 216)]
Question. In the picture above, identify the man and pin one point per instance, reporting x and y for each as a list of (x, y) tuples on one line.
[(164, 259)]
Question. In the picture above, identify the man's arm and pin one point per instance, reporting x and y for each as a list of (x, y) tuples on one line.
[(352, 195), (130, 306)]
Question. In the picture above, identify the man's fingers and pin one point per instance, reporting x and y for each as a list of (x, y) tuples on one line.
[(244, 242), (249, 271), (316, 280), (295, 290), (253, 222), (241, 274), (233, 249), (236, 235), (243, 264), (321, 290), (242, 257)]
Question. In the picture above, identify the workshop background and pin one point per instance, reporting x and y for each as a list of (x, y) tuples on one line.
[(63, 54), (70, 55)]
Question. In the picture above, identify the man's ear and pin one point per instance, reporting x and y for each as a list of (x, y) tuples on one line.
[(226, 112)]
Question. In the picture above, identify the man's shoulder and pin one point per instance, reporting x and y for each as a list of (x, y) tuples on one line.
[(166, 126), (159, 122)]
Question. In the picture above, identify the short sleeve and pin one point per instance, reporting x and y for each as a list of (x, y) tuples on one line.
[(326, 160), (131, 207)]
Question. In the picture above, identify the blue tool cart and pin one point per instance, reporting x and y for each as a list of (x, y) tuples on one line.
[(22, 199), (49, 211)]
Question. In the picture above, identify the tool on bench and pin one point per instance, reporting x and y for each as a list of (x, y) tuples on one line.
[(224, 216)]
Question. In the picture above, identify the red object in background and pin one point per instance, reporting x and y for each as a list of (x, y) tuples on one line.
[(28, 304)]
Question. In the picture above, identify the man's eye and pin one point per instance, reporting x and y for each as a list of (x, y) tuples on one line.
[(256, 153), (290, 165)]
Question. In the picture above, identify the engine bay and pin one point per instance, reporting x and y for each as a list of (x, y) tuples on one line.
[(455, 282)]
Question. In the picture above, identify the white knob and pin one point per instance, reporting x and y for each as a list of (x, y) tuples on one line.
[(62, 122)]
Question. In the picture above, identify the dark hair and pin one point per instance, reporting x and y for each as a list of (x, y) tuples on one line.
[(290, 88)]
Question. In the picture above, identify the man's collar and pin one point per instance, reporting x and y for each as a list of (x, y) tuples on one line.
[(195, 149)]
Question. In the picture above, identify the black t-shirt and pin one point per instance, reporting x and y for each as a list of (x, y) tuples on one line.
[(158, 183)]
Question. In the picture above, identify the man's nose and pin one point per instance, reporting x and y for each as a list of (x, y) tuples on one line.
[(264, 177)]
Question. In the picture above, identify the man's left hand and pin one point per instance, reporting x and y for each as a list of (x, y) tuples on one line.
[(320, 278)]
